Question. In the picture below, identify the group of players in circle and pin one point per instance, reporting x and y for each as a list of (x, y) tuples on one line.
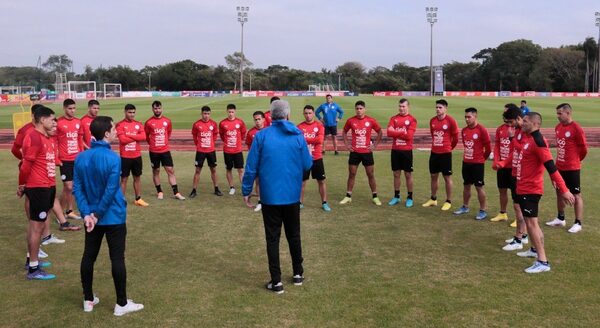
[(520, 154)]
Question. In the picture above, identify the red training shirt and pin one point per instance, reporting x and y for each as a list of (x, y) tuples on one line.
[(571, 146), (268, 119), (205, 135), (158, 131), (444, 134), (130, 133), (86, 120), (361, 129), (477, 144), (232, 133), (402, 130), (502, 146), (69, 138), (250, 136), (38, 169), (314, 133), (18, 143)]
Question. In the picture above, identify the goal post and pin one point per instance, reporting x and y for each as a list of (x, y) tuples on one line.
[(81, 89), (112, 90)]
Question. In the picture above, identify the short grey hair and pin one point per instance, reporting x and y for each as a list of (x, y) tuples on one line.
[(280, 110)]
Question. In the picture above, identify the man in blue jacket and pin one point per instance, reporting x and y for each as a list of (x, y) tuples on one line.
[(329, 113), (278, 157), (96, 186)]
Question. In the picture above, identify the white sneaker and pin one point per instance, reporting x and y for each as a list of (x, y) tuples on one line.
[(556, 223), (42, 254), (575, 228), (538, 267), (231, 191), (88, 306), (513, 246), (527, 253), (258, 207), (524, 240), (127, 308), (179, 196), (53, 240)]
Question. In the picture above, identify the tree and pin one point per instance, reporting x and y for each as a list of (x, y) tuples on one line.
[(353, 73), (58, 64), (559, 69)]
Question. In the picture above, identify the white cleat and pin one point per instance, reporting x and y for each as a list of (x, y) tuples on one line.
[(127, 308)]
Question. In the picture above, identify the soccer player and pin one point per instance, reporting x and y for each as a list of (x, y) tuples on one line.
[(361, 149), (534, 157), (444, 137), (259, 123), (502, 151), (204, 132), (314, 133), (268, 114), (477, 149), (158, 130), (232, 131), (37, 175), (70, 143), (93, 108), (524, 107), (331, 114), (402, 129), (571, 150), (130, 133), (104, 208)]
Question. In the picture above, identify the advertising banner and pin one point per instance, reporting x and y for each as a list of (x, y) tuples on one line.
[(196, 93)]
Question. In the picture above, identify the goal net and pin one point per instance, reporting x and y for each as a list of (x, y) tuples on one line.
[(111, 90), (81, 89)]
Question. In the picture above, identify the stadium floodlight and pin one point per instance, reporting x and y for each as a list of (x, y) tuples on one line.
[(242, 17), (431, 13)]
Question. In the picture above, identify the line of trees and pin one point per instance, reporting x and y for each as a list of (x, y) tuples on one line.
[(517, 65)]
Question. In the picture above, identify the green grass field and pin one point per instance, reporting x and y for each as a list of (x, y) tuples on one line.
[(184, 111), (202, 262)]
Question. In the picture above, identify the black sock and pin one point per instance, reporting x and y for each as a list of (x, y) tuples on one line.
[(561, 216), (524, 236), (374, 195), (46, 238), (175, 189), (158, 188), (349, 195), (502, 212), (396, 193), (324, 202), (449, 201), (68, 212), (231, 187), (544, 262), (138, 197), (577, 221), (533, 249), (216, 188), (517, 239), (409, 195), (193, 191), (433, 197)]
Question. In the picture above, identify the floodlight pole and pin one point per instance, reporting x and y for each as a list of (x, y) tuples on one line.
[(242, 18), (149, 73), (339, 81), (431, 13), (598, 55)]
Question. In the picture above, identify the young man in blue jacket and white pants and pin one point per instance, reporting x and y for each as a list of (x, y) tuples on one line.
[(98, 193), (278, 157)]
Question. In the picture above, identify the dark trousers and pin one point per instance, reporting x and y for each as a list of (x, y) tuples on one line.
[(115, 237), (273, 217)]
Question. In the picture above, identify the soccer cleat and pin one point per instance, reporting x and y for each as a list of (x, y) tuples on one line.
[(556, 223), (231, 191), (376, 201), (513, 224), (40, 274), (527, 253), (346, 200), (481, 215), (513, 246), (538, 267), (462, 210), (67, 226), (275, 288), (178, 196), (326, 207), (73, 216), (394, 201), (429, 203), (409, 203), (52, 240), (446, 206), (41, 264), (258, 207), (193, 194), (42, 254), (218, 192), (160, 195), (499, 217), (524, 240), (298, 280), (575, 228), (88, 306), (141, 202), (127, 308)]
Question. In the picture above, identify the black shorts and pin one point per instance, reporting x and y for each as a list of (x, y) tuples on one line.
[(529, 205), (440, 163), (503, 178), (41, 201), (402, 160), (234, 160), (131, 165), (156, 159), (473, 174), (572, 180), (331, 130), (66, 171), (365, 158), (211, 159), (513, 188), (317, 170)]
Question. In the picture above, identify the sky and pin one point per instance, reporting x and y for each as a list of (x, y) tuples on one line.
[(303, 34)]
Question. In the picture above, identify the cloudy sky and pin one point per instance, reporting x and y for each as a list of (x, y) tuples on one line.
[(304, 34)]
